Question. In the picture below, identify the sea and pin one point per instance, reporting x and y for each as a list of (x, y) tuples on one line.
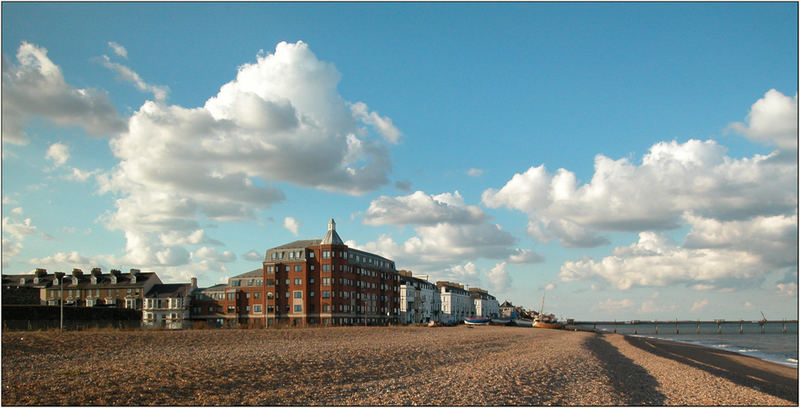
[(777, 343)]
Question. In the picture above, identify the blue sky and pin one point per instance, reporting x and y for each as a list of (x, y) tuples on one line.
[(633, 160)]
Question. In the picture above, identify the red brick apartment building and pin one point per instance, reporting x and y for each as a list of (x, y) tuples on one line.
[(307, 283), (323, 282)]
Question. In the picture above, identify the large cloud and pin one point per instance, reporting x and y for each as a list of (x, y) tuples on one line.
[(447, 232), (656, 261), (35, 87), (672, 179), (280, 120), (423, 209), (772, 120)]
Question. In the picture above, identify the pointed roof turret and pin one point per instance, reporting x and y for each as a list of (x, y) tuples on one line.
[(332, 238)]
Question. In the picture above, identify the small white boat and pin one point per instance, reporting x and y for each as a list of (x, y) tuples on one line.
[(477, 320)]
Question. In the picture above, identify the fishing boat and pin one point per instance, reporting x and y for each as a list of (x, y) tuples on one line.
[(523, 322), (547, 325), (500, 322), (543, 321), (477, 320)]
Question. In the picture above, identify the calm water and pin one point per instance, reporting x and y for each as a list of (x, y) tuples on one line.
[(773, 345)]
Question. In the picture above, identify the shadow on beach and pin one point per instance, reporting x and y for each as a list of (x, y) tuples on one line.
[(747, 371), (632, 383)]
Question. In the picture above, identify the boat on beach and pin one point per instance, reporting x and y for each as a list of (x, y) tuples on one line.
[(523, 322), (500, 322), (544, 321), (481, 321)]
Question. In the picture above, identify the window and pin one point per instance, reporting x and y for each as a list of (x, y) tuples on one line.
[(236, 283), (310, 254), (270, 269), (231, 296), (231, 309), (249, 282), (287, 268), (311, 293), (257, 308), (326, 308), (298, 281), (247, 308), (287, 281), (326, 281), (326, 268), (312, 266), (211, 308), (311, 280), (287, 295), (270, 282), (270, 309), (257, 295), (326, 294), (326, 254), (298, 294), (298, 308), (269, 295)]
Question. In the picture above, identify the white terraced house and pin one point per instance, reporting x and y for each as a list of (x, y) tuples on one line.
[(420, 301)]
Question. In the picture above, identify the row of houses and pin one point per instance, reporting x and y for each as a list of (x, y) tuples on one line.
[(447, 302), (302, 283)]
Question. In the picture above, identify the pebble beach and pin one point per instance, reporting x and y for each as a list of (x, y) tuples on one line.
[(379, 366)]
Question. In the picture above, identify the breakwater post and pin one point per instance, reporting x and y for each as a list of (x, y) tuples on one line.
[(784, 327), (741, 326), (676, 326), (656, 328), (698, 328)]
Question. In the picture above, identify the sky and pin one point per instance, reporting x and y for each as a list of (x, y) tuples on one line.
[(625, 160)]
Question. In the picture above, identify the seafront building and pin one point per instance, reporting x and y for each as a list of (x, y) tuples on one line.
[(420, 301), (456, 302), (324, 282), (315, 282), (168, 305), (115, 289), (485, 305)]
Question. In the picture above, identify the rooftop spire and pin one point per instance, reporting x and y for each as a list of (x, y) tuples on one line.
[(332, 238)]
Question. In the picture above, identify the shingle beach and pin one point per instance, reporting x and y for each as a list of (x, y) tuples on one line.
[(375, 366)]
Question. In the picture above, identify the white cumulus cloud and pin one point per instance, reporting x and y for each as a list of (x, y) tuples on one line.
[(58, 153), (291, 224), (422, 209), (280, 119), (772, 120), (35, 87)]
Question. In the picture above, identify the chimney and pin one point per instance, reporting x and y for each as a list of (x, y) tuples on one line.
[(39, 274), (96, 273), (77, 273), (134, 274), (194, 283), (115, 273)]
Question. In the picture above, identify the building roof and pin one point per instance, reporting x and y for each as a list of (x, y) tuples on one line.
[(84, 280), (303, 243), (169, 290), (219, 286), (255, 273), (331, 237)]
